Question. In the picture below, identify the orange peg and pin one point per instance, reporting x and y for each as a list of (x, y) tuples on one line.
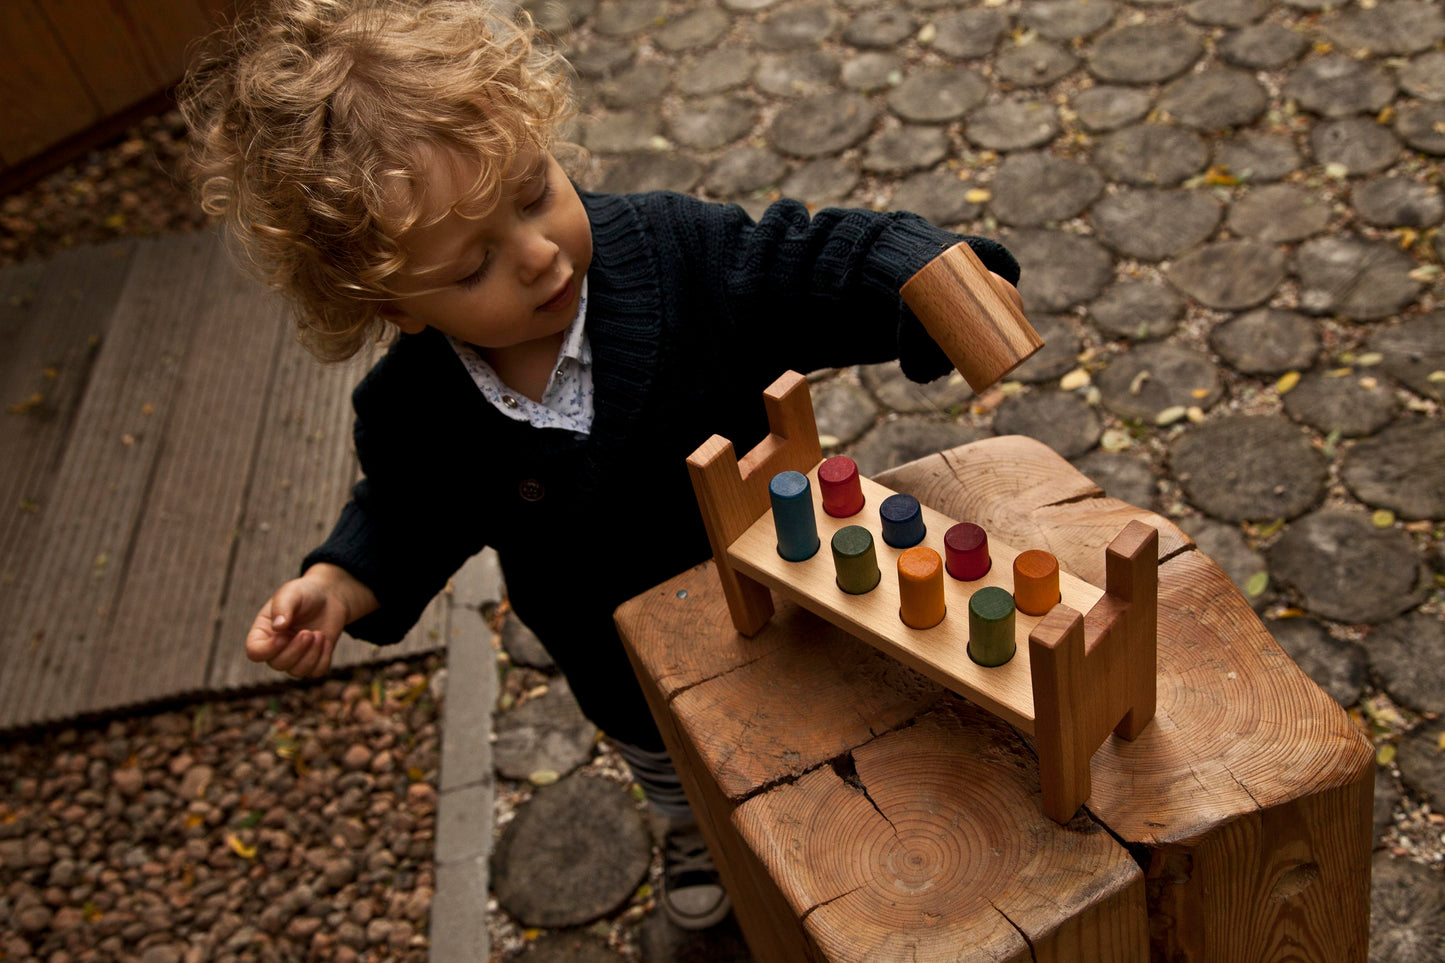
[(1036, 582), (920, 587)]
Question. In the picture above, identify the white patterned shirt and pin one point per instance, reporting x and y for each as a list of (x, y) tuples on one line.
[(567, 402)]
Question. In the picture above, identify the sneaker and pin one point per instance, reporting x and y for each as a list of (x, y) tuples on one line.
[(692, 894)]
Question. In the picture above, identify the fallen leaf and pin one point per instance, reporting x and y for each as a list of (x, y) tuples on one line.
[(1075, 379), (1369, 359), (978, 195), (1137, 385), (1383, 518), (240, 848), (928, 34), (1385, 754), (1170, 415), (1286, 382), (543, 777), (29, 404), (828, 441), (1256, 585), (1115, 440)]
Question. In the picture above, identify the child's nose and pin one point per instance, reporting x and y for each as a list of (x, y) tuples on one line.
[(537, 254)]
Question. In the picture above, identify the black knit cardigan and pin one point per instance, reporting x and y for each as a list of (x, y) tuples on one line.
[(693, 310)]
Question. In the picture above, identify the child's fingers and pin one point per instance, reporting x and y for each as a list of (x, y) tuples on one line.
[(317, 658), (292, 652), (263, 642)]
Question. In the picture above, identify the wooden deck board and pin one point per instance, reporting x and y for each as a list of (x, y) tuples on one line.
[(175, 576), (186, 454), (69, 590)]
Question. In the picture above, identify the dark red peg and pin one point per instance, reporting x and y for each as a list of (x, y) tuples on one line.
[(842, 491), (966, 545)]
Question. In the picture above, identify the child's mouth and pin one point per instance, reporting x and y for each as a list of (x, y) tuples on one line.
[(560, 299)]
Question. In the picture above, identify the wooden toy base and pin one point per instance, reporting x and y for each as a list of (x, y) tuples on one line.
[(1074, 678)]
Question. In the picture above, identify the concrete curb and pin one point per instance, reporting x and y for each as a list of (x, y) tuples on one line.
[(464, 807)]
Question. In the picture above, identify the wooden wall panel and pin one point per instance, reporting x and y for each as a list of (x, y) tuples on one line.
[(42, 99)]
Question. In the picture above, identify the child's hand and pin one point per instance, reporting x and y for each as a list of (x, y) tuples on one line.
[(296, 630)]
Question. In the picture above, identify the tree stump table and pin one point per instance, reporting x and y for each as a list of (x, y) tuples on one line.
[(859, 811)]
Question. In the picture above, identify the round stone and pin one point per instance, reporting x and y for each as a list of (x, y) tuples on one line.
[(1258, 157), (624, 132), (1346, 569), (575, 852), (1263, 46), (1059, 269), (1151, 155), (843, 410), (1402, 469), (544, 734), (693, 29), (1422, 126), (968, 34), (1355, 145), (713, 123), (1229, 275), (823, 180), (1353, 277), (1279, 212), (1384, 29), (1227, 13), (1414, 353), (1138, 310), (1337, 86), (821, 125), (803, 74), (1267, 341), (640, 84), (1152, 225), (874, 71), (1149, 378), (879, 27), (1034, 63), (1066, 20), (1106, 107), (1350, 404), (523, 647), (1408, 653), (1398, 202), (906, 439), (1057, 357), (1125, 477), (1214, 99), (744, 169), (651, 172), (1337, 666), (795, 27), (1034, 188), (717, 71), (600, 57), (559, 17), (892, 387), (902, 150), (623, 18), (1242, 468), (1407, 901), (570, 947), (1062, 420), (1145, 53), (1246, 568), (939, 196), (936, 96), (1424, 76), (1422, 767), (1013, 125)]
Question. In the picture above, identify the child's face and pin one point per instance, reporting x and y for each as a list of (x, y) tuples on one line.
[(503, 280)]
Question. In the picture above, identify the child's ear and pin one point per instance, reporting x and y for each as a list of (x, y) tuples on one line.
[(391, 314)]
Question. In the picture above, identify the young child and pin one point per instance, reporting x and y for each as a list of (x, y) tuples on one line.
[(558, 354)]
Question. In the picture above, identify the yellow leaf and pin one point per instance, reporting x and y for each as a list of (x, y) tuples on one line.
[(1287, 381), (1369, 359), (1435, 377), (1219, 176), (1383, 518), (1323, 46), (978, 195), (543, 777), (1271, 528), (1385, 754), (928, 34), (415, 773), (1256, 585), (1408, 236), (194, 819), (531, 933), (1170, 415), (115, 222), (1339, 372), (240, 848), (1077, 378), (51, 373), (21, 407)]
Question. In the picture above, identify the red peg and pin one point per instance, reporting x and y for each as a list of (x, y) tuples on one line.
[(842, 491), (966, 545)]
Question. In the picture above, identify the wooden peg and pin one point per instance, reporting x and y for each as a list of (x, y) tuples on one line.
[(975, 316)]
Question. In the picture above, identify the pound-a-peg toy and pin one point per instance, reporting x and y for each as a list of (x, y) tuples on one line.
[(1000, 626)]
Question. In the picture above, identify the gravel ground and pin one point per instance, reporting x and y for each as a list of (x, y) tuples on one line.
[(288, 826)]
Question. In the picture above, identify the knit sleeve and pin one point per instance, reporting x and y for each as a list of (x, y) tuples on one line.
[(400, 534), (823, 289)]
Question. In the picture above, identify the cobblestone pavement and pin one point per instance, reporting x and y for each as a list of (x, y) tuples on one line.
[(1227, 213)]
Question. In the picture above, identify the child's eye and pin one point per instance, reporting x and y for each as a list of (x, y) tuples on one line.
[(475, 278), (541, 200)]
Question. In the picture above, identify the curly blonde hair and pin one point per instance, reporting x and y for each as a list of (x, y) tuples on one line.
[(310, 126)]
